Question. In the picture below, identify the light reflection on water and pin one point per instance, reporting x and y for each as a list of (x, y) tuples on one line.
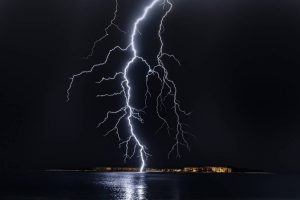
[(125, 186), (136, 186)]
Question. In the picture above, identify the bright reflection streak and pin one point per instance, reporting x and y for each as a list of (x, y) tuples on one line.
[(125, 186)]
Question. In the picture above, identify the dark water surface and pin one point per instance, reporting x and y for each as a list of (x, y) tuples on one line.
[(127, 186)]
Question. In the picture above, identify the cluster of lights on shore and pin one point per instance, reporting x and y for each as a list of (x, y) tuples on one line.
[(167, 90)]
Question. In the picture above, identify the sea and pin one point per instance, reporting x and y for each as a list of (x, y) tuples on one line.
[(138, 186)]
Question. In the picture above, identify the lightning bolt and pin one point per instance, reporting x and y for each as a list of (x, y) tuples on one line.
[(167, 92)]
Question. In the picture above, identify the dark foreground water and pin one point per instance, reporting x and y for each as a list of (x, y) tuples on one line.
[(127, 186)]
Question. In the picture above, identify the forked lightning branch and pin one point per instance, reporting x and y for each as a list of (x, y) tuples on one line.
[(132, 143)]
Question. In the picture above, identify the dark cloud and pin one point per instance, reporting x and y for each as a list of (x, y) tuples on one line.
[(239, 77)]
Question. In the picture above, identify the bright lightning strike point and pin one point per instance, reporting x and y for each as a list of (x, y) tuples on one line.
[(168, 88)]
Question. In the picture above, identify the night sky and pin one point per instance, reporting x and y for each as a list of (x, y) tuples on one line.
[(239, 77)]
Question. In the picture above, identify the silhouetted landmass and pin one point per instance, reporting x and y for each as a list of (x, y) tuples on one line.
[(199, 169)]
